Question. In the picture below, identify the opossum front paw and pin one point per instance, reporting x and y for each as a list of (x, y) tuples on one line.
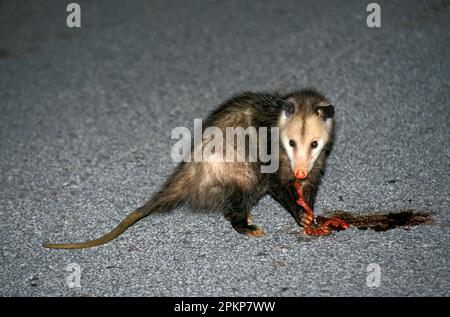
[(306, 220)]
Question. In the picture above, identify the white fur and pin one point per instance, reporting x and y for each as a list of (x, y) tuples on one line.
[(289, 150)]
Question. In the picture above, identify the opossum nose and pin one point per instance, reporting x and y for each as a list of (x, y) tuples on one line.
[(300, 173)]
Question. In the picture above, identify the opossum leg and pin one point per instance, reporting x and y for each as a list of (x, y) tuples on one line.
[(309, 195), (286, 197), (237, 211), (249, 218), (241, 224)]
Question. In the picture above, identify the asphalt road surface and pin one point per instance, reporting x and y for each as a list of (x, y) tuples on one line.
[(85, 126)]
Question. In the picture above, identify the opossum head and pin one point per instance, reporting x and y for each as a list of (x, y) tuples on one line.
[(306, 129)]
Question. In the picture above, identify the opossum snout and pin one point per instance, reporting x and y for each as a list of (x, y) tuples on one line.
[(300, 173)]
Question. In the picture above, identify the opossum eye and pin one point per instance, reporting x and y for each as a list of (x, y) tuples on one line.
[(292, 143), (289, 111), (314, 144)]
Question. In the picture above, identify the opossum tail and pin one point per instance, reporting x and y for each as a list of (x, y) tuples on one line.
[(163, 201)]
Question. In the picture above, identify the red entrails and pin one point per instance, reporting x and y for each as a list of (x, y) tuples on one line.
[(323, 224)]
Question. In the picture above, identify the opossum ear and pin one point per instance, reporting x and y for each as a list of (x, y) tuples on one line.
[(325, 112), (286, 106)]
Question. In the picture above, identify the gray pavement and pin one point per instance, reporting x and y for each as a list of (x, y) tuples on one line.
[(86, 117)]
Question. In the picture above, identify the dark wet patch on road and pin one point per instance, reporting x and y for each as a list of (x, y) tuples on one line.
[(385, 221), (4, 53)]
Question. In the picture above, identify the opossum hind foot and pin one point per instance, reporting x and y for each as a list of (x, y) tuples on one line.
[(251, 231)]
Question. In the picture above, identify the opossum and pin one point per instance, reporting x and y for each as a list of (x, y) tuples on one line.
[(305, 121)]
